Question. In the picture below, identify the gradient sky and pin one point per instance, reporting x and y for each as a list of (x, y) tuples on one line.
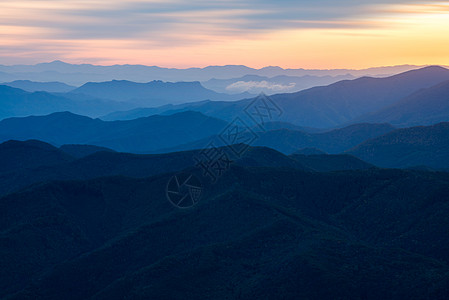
[(177, 33)]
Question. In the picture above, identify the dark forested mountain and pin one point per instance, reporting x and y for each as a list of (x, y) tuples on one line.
[(425, 107), (276, 233), (140, 135), (33, 86), (153, 93), (30, 162), (309, 151), (408, 147), (18, 155), (80, 151), (328, 163)]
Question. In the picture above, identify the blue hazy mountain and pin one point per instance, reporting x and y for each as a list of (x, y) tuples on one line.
[(333, 105), (408, 147), (17, 102), (148, 111), (33, 86), (140, 135), (80, 74), (289, 141), (177, 132), (425, 107), (153, 93)]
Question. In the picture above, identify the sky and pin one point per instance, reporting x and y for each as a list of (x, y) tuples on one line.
[(319, 34)]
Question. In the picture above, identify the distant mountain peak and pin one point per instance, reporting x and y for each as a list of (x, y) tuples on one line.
[(55, 62), (425, 70)]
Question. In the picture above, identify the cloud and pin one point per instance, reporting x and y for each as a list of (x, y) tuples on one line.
[(80, 19), (58, 26), (259, 86)]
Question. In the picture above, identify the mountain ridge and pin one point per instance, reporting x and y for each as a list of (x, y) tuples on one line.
[(243, 225), (408, 147), (137, 135), (334, 105), (80, 74), (424, 107), (153, 93)]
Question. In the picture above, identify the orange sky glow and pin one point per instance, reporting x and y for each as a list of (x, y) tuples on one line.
[(181, 34)]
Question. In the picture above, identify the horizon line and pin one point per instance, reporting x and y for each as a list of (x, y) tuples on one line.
[(225, 65)]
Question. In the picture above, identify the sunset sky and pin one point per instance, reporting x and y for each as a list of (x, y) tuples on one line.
[(177, 33)]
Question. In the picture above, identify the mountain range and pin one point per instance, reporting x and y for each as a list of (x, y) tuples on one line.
[(332, 192), (33, 86), (287, 140), (178, 132), (408, 147), (77, 75), (379, 144), (424, 107), (338, 104), (259, 232), (140, 135), (16, 102), (29, 162), (412, 98), (153, 93), (24, 98)]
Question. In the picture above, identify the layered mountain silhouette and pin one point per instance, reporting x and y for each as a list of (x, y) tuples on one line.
[(17, 102), (408, 147), (346, 100), (319, 107), (80, 151), (17, 155), (288, 140), (140, 135), (328, 163), (309, 151), (280, 233), (333, 105), (332, 196), (425, 107), (148, 111), (33, 86), (30, 162), (80, 74), (178, 132), (153, 93)]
